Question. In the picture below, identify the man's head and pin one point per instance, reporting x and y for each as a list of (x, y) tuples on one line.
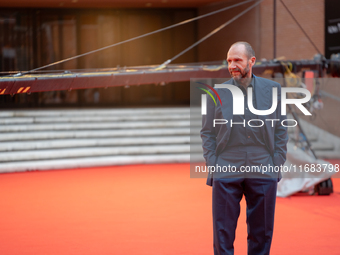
[(240, 58)]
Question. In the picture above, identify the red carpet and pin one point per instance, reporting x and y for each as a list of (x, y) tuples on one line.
[(143, 209)]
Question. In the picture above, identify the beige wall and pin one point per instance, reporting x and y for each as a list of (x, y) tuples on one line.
[(256, 27), (291, 43), (246, 28)]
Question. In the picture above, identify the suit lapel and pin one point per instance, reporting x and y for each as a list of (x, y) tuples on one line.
[(264, 100), (227, 103), (262, 95)]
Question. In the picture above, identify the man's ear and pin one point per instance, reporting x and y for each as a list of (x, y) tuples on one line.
[(252, 61)]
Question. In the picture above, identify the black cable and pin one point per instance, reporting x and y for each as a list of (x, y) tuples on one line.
[(210, 34), (137, 37)]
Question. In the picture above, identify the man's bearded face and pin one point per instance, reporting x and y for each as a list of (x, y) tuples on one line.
[(239, 63), (239, 73)]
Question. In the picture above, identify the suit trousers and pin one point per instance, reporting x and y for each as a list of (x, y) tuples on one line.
[(260, 195)]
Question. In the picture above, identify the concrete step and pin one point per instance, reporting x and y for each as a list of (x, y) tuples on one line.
[(107, 133), (100, 125), (59, 139), (84, 118), (93, 152), (73, 143), (20, 166), (95, 112)]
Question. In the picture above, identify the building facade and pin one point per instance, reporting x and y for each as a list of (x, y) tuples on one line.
[(36, 33)]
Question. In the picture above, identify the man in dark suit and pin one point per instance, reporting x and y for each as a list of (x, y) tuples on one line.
[(251, 148)]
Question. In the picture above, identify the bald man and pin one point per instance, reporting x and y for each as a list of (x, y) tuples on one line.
[(245, 145)]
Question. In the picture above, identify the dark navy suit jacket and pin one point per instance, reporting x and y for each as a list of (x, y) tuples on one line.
[(215, 139)]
